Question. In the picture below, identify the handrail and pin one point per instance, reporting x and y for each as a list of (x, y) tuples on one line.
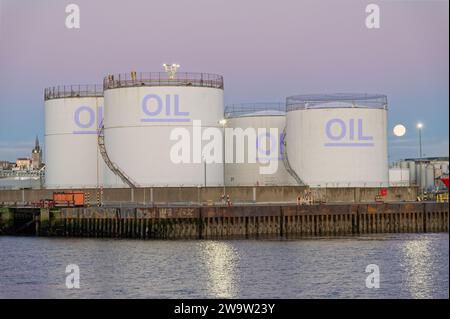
[(134, 79), (67, 91), (336, 100), (287, 165), (112, 166)]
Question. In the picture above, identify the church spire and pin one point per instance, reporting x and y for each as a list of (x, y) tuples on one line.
[(37, 148)]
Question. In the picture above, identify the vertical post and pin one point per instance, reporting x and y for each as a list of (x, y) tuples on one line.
[(420, 141), (144, 196), (223, 160), (200, 223), (281, 217), (424, 218), (223, 123), (204, 164)]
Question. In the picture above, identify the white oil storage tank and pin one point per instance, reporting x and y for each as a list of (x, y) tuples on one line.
[(159, 128), (338, 140), (423, 175), (444, 168), (72, 117), (430, 177), (412, 173), (256, 130)]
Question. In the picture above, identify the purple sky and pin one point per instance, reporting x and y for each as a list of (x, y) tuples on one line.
[(266, 50)]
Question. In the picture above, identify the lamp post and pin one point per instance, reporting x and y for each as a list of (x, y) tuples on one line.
[(419, 127), (223, 123)]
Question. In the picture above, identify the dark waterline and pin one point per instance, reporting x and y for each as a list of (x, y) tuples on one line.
[(411, 266)]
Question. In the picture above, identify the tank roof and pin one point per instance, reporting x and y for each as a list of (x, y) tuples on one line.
[(135, 79), (255, 109), (336, 100)]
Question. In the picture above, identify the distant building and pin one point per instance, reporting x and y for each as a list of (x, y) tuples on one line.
[(5, 165), (36, 156), (23, 164)]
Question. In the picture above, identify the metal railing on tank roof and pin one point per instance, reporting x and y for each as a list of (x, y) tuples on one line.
[(134, 79), (250, 109), (67, 91)]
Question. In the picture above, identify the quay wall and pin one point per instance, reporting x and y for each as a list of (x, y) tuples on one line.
[(219, 222)]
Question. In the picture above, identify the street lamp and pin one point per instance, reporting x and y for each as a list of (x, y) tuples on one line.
[(419, 127), (223, 123)]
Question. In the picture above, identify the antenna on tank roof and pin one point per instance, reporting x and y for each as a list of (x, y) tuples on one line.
[(171, 69)]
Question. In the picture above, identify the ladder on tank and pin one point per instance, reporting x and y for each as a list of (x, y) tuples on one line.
[(112, 166), (287, 165)]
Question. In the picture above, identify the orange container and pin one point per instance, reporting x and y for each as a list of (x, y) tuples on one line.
[(78, 199), (69, 199)]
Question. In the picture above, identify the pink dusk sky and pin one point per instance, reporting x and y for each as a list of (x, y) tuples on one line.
[(266, 51)]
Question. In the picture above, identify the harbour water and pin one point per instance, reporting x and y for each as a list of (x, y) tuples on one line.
[(411, 266)]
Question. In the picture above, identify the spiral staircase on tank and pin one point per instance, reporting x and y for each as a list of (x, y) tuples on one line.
[(287, 165), (112, 166)]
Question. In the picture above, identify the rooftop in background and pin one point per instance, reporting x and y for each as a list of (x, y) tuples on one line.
[(134, 79), (428, 159), (67, 91), (255, 109), (336, 100)]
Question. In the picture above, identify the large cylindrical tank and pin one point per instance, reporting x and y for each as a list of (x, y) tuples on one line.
[(72, 116), (423, 175), (412, 173), (264, 124), (418, 169), (149, 129), (429, 176), (444, 168), (404, 164), (338, 140)]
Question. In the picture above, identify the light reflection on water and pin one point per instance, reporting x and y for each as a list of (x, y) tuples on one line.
[(419, 264), (221, 260), (411, 266)]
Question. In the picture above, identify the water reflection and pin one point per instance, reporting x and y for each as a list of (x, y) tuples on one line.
[(419, 265), (221, 259), (411, 265)]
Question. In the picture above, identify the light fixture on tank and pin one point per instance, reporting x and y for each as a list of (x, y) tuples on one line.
[(171, 69)]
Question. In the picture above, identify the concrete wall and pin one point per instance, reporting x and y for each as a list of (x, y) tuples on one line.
[(262, 194)]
